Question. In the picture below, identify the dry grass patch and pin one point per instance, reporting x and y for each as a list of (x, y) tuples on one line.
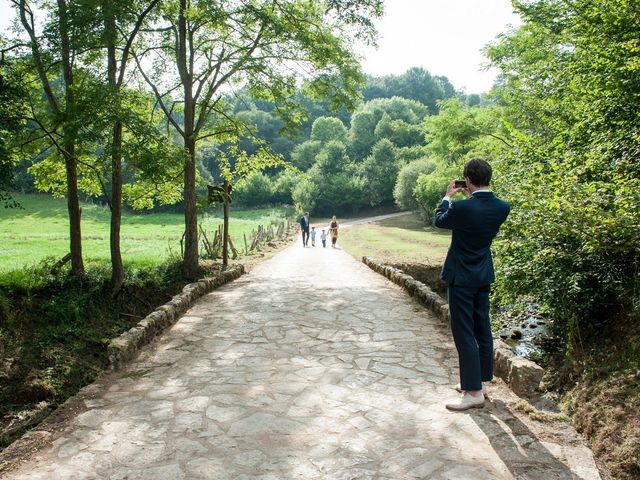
[(404, 239)]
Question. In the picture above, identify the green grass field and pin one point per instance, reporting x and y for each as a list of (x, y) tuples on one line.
[(41, 229), (404, 239)]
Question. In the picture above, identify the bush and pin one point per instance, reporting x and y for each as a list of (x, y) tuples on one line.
[(256, 189), (304, 195), (407, 180), (583, 265), (430, 188), (283, 185)]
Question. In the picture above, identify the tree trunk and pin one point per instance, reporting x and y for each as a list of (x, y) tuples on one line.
[(190, 262), (225, 230), (184, 62), (71, 164), (117, 268), (73, 206)]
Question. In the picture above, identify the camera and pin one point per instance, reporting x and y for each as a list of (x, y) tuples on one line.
[(460, 184)]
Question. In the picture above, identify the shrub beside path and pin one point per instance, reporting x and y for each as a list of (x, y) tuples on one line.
[(310, 367)]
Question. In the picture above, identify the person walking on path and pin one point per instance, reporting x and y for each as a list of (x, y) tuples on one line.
[(323, 237), (333, 231), (468, 271), (313, 236), (304, 226)]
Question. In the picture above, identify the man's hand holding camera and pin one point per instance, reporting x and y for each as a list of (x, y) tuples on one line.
[(458, 186)]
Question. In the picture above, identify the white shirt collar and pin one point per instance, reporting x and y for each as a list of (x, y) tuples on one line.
[(483, 190)]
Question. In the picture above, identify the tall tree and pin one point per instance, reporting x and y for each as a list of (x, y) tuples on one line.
[(212, 45), (326, 129), (570, 86), (379, 173), (64, 114), (122, 21)]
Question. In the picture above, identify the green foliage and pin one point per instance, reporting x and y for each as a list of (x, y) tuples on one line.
[(379, 172), (57, 329), (570, 89), (12, 123), (327, 129), (409, 154), (304, 195), (362, 136), (264, 128), (398, 108), (283, 185), (393, 118), (338, 193), (415, 84), (257, 189), (304, 154), (431, 187), (332, 159), (461, 132), (401, 133), (403, 191)]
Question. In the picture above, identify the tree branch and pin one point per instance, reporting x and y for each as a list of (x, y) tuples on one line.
[(28, 25), (158, 96), (127, 48)]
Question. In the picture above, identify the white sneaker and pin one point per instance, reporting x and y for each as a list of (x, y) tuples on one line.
[(465, 402), (458, 388)]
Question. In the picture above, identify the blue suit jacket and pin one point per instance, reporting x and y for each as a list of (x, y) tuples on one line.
[(475, 223)]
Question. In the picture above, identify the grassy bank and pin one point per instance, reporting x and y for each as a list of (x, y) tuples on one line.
[(404, 239), (41, 229), (54, 330), (601, 390)]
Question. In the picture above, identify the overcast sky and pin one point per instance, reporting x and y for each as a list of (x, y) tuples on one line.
[(443, 36)]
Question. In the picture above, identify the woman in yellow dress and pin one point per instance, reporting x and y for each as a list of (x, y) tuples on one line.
[(333, 231)]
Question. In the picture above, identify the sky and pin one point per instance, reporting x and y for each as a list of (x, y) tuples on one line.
[(445, 37)]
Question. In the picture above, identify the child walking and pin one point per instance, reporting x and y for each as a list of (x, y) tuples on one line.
[(323, 237), (313, 236)]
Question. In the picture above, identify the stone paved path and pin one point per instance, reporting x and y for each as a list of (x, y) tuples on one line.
[(310, 367)]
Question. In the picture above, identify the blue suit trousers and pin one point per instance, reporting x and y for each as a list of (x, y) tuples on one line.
[(471, 329)]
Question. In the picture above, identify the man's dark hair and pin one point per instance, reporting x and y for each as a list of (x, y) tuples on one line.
[(479, 171)]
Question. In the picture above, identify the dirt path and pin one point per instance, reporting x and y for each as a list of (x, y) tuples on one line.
[(310, 367)]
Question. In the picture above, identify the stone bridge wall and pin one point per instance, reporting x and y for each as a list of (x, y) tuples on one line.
[(124, 347)]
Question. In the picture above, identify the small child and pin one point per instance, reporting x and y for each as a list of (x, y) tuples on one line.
[(323, 237), (313, 236)]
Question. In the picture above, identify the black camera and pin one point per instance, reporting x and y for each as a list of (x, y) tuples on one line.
[(460, 184)]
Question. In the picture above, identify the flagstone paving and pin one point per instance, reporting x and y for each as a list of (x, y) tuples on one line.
[(310, 367)]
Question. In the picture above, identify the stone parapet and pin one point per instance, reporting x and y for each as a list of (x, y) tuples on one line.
[(124, 347)]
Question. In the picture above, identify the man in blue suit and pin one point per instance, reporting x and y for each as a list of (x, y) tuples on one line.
[(304, 226), (468, 271)]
